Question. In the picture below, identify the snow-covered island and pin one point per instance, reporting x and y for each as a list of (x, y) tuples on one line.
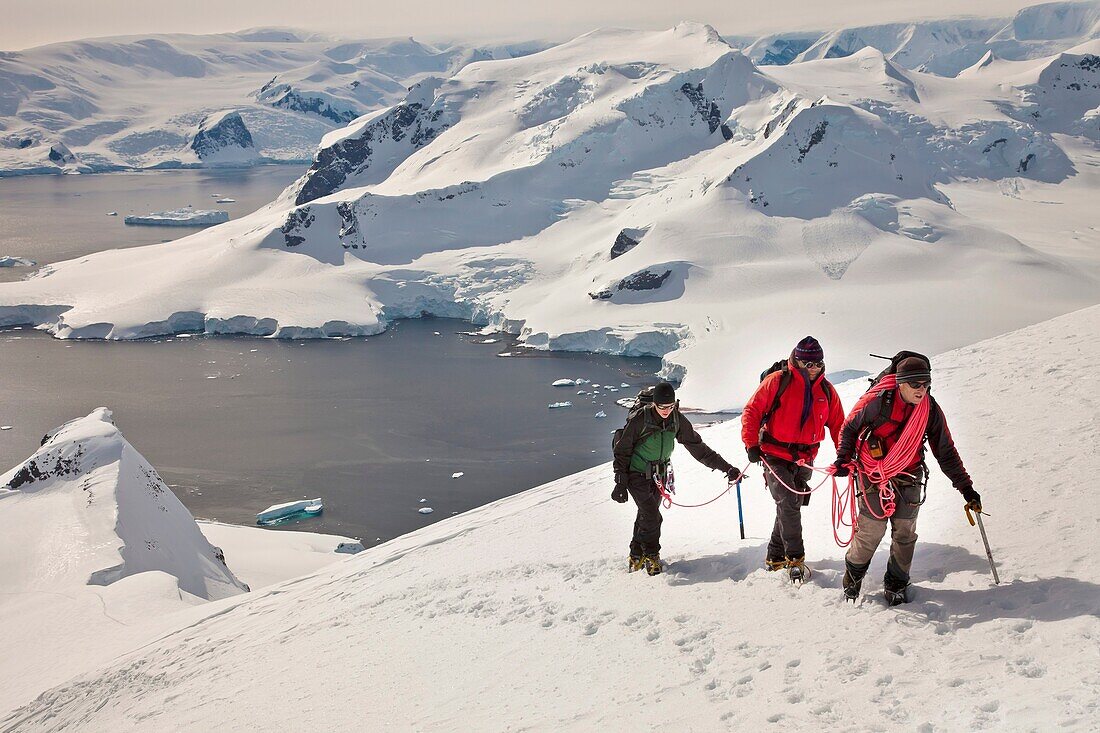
[(186, 217), (522, 612)]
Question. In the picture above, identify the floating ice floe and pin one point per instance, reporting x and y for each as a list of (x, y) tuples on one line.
[(425, 510), (290, 510), (563, 383), (226, 201), (626, 402), (457, 474), (112, 213), (7, 261), (583, 381), (581, 391), (5, 427), (601, 413), (624, 385), (423, 501), (555, 405), (181, 218), (505, 353)]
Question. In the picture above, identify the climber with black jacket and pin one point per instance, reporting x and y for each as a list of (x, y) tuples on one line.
[(642, 451), (885, 434)]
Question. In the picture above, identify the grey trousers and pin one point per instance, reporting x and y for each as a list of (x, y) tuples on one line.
[(870, 531), (786, 539)]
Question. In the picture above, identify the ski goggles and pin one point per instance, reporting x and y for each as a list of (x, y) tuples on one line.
[(920, 385), (811, 364)]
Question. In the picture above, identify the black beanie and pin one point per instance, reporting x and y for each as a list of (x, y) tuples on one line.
[(914, 369), (664, 394)]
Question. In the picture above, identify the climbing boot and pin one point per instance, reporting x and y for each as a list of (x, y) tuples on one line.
[(773, 565), (853, 579), (798, 570), (896, 596), (635, 564), (652, 564), (851, 586)]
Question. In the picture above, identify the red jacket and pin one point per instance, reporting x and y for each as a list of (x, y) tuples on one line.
[(785, 424)]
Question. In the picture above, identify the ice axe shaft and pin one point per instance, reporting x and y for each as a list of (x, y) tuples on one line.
[(740, 515), (985, 541)]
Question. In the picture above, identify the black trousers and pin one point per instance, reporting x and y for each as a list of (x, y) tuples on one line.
[(647, 525), (786, 539)]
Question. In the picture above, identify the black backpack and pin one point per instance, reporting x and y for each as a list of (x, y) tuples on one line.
[(783, 365), (642, 401)]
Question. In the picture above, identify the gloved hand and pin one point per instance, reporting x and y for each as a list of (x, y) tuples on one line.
[(973, 499), (754, 454), (620, 494), (733, 474), (841, 468)]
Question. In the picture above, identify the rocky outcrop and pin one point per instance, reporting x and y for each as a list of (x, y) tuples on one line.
[(296, 223), (706, 109), (222, 135), (644, 280), (61, 155), (308, 104), (401, 130)]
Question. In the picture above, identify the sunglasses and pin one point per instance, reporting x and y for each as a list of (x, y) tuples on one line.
[(920, 385), (669, 406), (811, 364)]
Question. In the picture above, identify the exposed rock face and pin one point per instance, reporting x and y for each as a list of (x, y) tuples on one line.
[(220, 133), (296, 222), (627, 240), (644, 280), (706, 109), (408, 126), (60, 154), (350, 235), (297, 102)]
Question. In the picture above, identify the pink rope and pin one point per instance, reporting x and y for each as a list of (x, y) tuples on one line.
[(901, 455), (801, 462), (666, 496)]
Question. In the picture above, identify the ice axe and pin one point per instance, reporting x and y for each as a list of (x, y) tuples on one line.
[(985, 541)]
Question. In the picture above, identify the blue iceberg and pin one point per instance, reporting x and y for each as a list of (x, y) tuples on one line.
[(291, 511)]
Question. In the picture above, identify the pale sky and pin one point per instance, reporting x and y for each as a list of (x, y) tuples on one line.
[(29, 23)]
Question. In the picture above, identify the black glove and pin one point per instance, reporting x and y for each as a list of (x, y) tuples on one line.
[(973, 499), (753, 454), (841, 469), (620, 494), (733, 474)]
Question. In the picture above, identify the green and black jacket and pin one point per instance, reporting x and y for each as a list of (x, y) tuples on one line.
[(647, 439)]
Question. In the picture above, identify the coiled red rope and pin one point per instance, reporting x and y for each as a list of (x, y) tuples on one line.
[(904, 453)]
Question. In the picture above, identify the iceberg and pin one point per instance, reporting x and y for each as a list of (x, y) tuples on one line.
[(601, 413), (290, 510), (555, 405), (425, 510), (8, 261), (563, 383), (181, 218)]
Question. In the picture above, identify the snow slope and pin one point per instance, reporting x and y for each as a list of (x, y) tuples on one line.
[(520, 615), (765, 204), (100, 556), (143, 101)]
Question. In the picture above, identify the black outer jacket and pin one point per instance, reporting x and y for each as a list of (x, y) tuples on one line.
[(937, 436), (685, 435)]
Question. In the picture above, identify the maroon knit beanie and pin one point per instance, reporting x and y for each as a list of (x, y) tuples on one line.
[(808, 349)]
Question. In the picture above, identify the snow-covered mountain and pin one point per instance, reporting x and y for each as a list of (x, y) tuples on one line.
[(109, 514), (144, 102), (833, 196), (943, 47), (98, 556), (520, 615)]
